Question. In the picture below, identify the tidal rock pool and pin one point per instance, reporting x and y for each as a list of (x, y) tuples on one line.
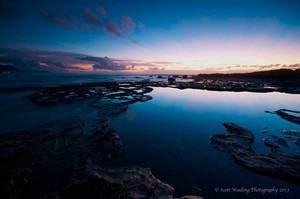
[(170, 134)]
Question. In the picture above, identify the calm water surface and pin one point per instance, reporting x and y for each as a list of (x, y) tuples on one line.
[(170, 134)]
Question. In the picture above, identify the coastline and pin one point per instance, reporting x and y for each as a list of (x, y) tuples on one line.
[(74, 143)]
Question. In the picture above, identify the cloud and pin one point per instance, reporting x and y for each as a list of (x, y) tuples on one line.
[(68, 21), (60, 65), (107, 64), (135, 41), (21, 64), (104, 63), (156, 68), (141, 26), (56, 20), (127, 24), (92, 18), (78, 24), (113, 28), (146, 65), (33, 60), (294, 66), (101, 10)]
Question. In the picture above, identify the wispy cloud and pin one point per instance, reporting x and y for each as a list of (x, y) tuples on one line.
[(56, 20), (92, 18), (141, 26), (79, 24), (127, 24), (95, 19), (113, 28), (101, 10), (135, 41)]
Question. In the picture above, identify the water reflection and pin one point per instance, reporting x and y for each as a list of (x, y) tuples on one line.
[(192, 99), (170, 135)]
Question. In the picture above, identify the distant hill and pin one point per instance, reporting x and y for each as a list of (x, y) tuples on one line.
[(271, 74)]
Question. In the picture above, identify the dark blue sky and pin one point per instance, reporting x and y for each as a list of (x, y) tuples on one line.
[(191, 33)]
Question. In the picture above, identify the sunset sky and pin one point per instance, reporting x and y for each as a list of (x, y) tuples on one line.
[(159, 35)]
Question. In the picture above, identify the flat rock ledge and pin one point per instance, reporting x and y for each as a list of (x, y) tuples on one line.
[(44, 165), (286, 115), (238, 141)]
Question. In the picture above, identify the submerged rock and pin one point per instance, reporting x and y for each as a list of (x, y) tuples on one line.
[(238, 141), (264, 130), (279, 140), (270, 144), (292, 135)]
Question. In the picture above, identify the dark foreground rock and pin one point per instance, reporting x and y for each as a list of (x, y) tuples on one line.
[(41, 164), (238, 141), (129, 182), (68, 162)]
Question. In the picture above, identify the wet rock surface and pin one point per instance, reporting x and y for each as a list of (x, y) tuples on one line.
[(69, 159), (67, 162), (292, 135), (124, 93), (279, 140), (270, 144), (238, 141), (37, 167), (129, 182), (284, 114)]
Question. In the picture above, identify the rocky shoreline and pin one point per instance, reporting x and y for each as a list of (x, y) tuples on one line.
[(238, 141), (70, 160), (73, 158)]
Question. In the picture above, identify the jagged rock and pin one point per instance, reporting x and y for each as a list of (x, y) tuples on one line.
[(128, 182), (238, 144), (111, 144)]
